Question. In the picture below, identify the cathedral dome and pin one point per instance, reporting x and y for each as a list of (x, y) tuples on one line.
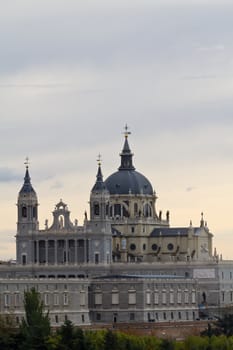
[(127, 180)]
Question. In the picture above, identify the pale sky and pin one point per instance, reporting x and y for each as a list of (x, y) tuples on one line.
[(73, 73)]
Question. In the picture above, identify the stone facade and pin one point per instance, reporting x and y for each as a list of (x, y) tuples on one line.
[(124, 264)]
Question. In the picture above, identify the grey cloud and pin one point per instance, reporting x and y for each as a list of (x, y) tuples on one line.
[(57, 185), (105, 34), (9, 175), (190, 188)]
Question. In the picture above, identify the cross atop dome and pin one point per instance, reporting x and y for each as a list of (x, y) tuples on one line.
[(26, 162), (99, 159), (126, 132)]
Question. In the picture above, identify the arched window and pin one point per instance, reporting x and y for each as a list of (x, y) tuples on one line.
[(24, 212), (96, 209), (107, 209), (117, 210), (147, 210), (125, 212), (135, 209), (34, 212)]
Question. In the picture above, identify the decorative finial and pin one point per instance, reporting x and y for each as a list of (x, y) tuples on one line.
[(127, 132), (202, 219), (26, 162), (99, 159)]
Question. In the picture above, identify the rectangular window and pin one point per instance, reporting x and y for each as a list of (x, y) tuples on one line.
[(132, 297), (24, 259), (132, 316), (223, 296), (46, 299), (98, 298), (186, 297), (96, 258), (16, 300), (65, 299), (6, 300), (193, 297), (115, 298), (171, 297), (179, 297), (56, 299), (156, 297), (148, 298), (82, 298), (164, 297)]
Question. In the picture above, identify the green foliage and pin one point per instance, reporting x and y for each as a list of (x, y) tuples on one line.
[(110, 341), (95, 340), (196, 343), (70, 337), (225, 325), (167, 344), (35, 326), (9, 337), (219, 343)]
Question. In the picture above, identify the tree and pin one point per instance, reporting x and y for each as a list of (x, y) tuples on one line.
[(35, 326), (71, 338), (225, 325), (110, 341)]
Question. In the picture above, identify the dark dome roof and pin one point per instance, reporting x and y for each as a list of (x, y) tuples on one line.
[(128, 181), (27, 186)]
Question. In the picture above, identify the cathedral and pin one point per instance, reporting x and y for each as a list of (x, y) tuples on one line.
[(124, 264)]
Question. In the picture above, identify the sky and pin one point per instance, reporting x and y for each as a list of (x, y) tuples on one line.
[(73, 73)]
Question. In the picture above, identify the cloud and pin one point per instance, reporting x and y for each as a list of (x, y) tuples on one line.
[(190, 188), (9, 175), (57, 185), (200, 77), (212, 48)]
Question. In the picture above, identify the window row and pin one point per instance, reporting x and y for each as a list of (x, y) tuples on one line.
[(16, 300), (156, 297), (154, 246)]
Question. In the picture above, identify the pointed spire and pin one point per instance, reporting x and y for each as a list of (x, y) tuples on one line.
[(99, 185), (126, 154), (202, 220), (27, 186)]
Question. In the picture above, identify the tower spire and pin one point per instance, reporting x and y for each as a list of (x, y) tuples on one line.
[(27, 186), (99, 185), (126, 154)]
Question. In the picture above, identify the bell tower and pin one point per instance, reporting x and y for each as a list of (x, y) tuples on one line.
[(99, 200), (99, 227), (27, 223)]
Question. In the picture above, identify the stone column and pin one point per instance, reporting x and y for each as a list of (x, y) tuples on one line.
[(46, 252), (55, 251), (37, 252), (75, 252), (67, 251)]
